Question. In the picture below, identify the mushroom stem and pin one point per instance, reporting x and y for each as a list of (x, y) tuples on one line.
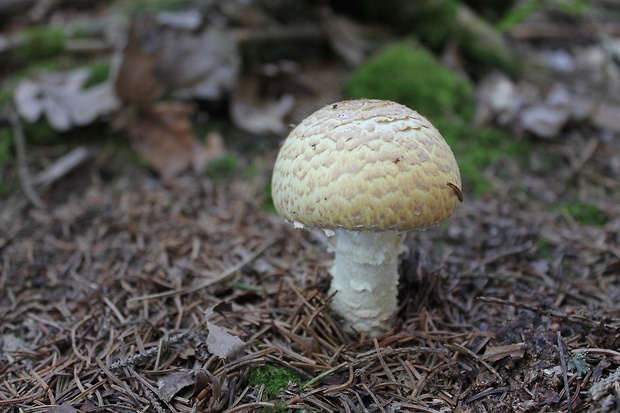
[(365, 277)]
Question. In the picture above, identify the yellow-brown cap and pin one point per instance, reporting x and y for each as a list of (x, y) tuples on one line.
[(366, 165)]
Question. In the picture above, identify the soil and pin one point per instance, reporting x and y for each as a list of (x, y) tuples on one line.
[(130, 293), (508, 307)]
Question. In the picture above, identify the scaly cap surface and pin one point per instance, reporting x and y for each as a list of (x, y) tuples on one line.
[(366, 165)]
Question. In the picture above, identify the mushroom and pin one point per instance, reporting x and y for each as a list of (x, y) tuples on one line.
[(368, 171)]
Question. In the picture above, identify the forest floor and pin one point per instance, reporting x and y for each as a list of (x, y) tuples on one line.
[(130, 293)]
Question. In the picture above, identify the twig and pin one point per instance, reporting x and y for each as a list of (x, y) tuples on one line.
[(250, 407), (340, 387), (374, 397), (210, 281), (23, 399), (607, 351), (325, 374), (58, 169), (499, 253), (150, 388), (487, 393), (470, 353), (74, 341), (62, 166), (564, 371), (22, 168), (550, 313), (145, 355), (44, 386)]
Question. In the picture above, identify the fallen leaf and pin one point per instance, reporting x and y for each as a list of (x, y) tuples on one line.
[(514, 351), (163, 136), (27, 102), (62, 99), (220, 342), (166, 53), (222, 308), (171, 384), (544, 120), (256, 113), (198, 66), (136, 83), (497, 100)]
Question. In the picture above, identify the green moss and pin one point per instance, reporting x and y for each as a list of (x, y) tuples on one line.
[(142, 6), (482, 58), (431, 20), (280, 406), (477, 149), (42, 43), (275, 378), (574, 7), (586, 214), (544, 248), (519, 14), (224, 167), (526, 9), (410, 74), (6, 96), (41, 133), (267, 204), (99, 73), (6, 153), (437, 22)]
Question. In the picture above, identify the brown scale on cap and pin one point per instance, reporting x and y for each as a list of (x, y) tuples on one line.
[(366, 165)]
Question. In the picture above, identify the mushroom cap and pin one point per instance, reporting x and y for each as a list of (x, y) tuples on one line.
[(366, 165)]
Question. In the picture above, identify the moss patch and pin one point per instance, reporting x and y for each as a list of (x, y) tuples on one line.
[(267, 204), (477, 149), (6, 148), (433, 21), (275, 378), (99, 73), (224, 167), (585, 214), (42, 43), (410, 74)]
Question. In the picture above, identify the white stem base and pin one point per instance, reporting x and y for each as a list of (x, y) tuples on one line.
[(365, 277)]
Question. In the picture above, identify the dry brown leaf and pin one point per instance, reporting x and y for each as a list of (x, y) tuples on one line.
[(170, 385), (164, 138), (160, 56), (514, 351), (219, 341), (136, 83)]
